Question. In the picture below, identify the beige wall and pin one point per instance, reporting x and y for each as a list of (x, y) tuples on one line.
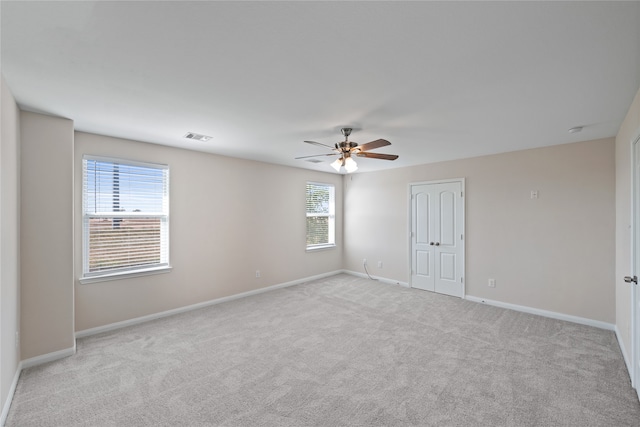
[(228, 218), (46, 252), (553, 253), (629, 130), (9, 240)]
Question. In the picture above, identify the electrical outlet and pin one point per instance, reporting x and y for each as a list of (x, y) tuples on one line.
[(257, 273), (379, 264), (492, 283)]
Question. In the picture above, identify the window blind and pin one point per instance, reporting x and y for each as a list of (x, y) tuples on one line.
[(125, 216), (320, 206)]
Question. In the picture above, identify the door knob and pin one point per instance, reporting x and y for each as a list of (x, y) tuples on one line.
[(431, 243), (630, 279), (437, 243)]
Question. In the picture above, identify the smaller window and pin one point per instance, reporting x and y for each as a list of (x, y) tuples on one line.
[(321, 217)]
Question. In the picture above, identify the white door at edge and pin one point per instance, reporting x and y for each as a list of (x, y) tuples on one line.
[(635, 270), (437, 241)]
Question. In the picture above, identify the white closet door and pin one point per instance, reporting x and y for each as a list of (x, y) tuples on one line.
[(437, 241)]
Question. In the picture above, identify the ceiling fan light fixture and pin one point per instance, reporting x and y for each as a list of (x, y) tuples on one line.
[(337, 164), (350, 165), (348, 149)]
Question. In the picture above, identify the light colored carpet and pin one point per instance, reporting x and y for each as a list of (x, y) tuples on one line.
[(342, 351)]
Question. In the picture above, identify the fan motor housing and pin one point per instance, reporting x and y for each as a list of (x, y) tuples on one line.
[(346, 145)]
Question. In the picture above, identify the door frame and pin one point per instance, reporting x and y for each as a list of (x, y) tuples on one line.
[(461, 181), (635, 292)]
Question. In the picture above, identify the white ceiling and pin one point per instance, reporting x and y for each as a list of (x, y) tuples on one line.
[(440, 80)]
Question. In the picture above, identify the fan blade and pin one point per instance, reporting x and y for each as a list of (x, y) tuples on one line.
[(317, 155), (320, 144), (378, 156), (373, 144)]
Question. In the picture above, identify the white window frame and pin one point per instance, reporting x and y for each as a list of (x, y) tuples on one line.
[(331, 215), (129, 271)]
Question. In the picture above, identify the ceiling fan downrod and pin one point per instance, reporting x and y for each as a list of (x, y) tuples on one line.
[(346, 145)]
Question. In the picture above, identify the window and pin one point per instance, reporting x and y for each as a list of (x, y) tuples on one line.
[(320, 215), (125, 207)]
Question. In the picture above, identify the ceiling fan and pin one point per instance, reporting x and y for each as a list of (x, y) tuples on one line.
[(347, 149)]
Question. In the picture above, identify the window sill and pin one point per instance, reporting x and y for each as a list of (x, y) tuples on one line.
[(320, 247), (125, 275)]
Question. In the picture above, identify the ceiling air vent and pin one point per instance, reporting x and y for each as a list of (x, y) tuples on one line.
[(197, 136)]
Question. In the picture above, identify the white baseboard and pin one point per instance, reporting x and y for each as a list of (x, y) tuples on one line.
[(28, 363), (544, 313), (49, 357), (381, 279), (12, 390), (142, 319), (522, 308), (623, 350)]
